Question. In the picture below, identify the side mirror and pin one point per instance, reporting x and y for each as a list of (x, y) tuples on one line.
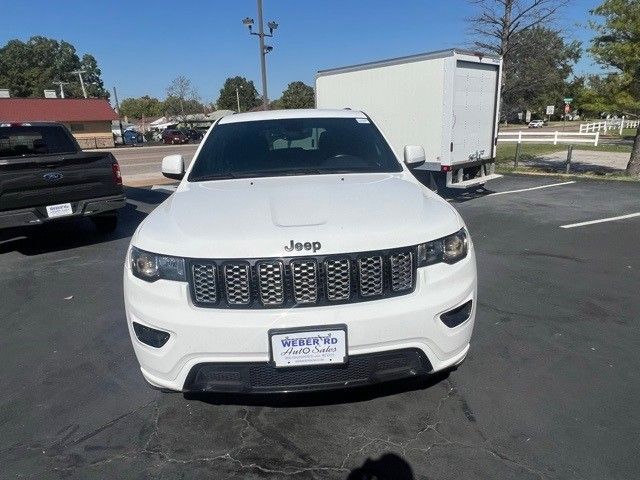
[(414, 156), (173, 167)]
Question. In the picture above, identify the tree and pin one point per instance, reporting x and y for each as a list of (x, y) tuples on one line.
[(595, 95), (93, 81), (28, 68), (174, 107), (539, 66), (246, 92), (617, 45), (182, 99), (144, 106), (297, 95), (498, 21)]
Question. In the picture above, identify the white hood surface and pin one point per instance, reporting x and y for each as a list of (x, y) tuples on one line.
[(257, 218)]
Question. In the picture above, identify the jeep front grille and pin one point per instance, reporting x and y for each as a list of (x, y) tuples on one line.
[(302, 281)]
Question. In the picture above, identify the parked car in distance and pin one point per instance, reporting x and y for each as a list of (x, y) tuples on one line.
[(45, 176), (174, 137), (325, 263), (193, 134), (536, 124), (133, 137)]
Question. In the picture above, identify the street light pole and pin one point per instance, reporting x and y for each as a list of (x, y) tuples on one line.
[(238, 98), (264, 49), (263, 57), (80, 72)]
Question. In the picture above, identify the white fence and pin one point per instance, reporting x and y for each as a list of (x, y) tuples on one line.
[(609, 124), (550, 137)]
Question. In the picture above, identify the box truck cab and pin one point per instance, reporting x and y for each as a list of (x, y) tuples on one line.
[(446, 101)]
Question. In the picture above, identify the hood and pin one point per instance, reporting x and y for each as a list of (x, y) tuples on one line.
[(254, 218)]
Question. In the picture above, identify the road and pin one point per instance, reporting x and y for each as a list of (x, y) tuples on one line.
[(549, 391), (142, 165)]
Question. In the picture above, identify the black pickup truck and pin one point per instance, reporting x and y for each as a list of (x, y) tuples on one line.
[(45, 176)]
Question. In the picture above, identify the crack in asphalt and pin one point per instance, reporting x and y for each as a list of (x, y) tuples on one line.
[(369, 442)]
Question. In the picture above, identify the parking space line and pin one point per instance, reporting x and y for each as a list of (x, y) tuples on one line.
[(601, 220), (531, 188)]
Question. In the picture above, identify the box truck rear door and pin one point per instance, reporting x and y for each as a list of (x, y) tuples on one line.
[(474, 103)]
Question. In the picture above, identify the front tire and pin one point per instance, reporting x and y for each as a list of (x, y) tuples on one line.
[(105, 223)]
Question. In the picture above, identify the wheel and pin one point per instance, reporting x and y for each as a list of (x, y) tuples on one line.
[(105, 223)]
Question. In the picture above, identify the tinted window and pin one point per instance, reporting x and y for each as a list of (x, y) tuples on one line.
[(293, 147), (22, 141)]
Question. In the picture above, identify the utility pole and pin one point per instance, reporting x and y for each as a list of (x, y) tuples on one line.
[(238, 96), (264, 49), (60, 84), (79, 73), (115, 95)]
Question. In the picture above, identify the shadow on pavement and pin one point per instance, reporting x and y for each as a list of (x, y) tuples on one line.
[(388, 467), (312, 399), (79, 232), (454, 195)]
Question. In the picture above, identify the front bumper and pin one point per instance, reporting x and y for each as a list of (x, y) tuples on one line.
[(228, 350), (38, 215), (262, 377)]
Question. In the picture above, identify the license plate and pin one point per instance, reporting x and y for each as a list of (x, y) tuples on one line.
[(311, 346), (61, 210)]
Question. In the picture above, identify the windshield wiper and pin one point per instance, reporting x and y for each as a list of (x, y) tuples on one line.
[(277, 173), (217, 176)]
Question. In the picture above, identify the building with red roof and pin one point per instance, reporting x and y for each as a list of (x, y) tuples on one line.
[(89, 119)]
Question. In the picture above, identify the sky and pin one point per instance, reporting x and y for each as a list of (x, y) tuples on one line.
[(141, 45)]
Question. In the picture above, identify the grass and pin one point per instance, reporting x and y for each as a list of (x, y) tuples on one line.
[(505, 154), (529, 151), (617, 176)]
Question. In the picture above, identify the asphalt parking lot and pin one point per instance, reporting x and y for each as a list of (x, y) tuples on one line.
[(550, 388)]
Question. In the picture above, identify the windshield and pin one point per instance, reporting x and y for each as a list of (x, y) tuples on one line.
[(24, 141), (293, 147)]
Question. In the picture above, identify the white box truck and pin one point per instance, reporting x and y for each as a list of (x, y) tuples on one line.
[(447, 101)]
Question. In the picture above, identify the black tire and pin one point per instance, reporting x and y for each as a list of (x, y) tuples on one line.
[(105, 223)]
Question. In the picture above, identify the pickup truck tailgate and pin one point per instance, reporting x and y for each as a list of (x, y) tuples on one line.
[(53, 179)]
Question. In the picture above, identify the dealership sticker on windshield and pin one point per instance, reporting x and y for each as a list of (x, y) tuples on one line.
[(61, 210), (309, 347)]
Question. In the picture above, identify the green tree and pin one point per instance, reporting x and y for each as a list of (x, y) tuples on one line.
[(28, 68), (180, 108), (246, 92), (594, 95), (143, 106), (92, 77), (297, 95), (536, 74), (617, 46)]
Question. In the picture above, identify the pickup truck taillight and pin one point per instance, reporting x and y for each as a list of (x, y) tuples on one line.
[(117, 176)]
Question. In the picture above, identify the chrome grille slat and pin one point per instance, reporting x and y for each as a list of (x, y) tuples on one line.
[(371, 276), (271, 282), (338, 279), (304, 274), (401, 271), (205, 282), (237, 281), (302, 281)]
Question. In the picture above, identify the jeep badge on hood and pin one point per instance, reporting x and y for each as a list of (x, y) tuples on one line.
[(299, 246)]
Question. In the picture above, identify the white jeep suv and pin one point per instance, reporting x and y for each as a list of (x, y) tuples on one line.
[(298, 253)]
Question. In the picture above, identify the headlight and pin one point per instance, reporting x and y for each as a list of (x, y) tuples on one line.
[(151, 267), (449, 249)]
